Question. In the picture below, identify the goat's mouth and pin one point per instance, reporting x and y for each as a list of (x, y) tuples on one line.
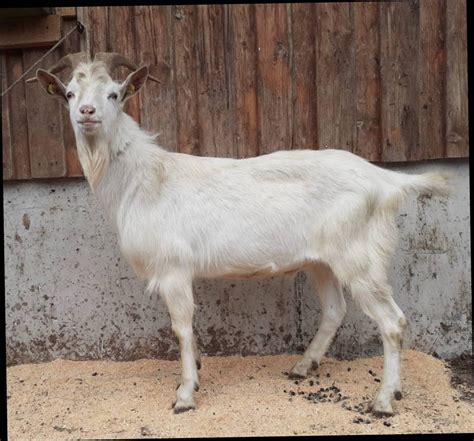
[(89, 125), (89, 122)]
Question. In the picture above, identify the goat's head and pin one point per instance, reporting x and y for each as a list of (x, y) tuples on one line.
[(93, 98)]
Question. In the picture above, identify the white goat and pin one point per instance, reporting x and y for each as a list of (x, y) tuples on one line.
[(179, 217)]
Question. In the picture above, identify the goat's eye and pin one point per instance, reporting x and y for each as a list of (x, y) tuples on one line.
[(113, 96), (69, 95)]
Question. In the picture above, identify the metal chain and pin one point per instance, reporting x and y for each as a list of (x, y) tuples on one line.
[(79, 26)]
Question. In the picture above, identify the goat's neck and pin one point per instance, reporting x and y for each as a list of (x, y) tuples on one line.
[(115, 165)]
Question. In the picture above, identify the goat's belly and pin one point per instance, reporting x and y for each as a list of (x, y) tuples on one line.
[(233, 251), (256, 272)]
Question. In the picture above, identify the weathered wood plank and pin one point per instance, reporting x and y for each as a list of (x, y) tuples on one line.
[(242, 62), (185, 66), (70, 45), (368, 131), (457, 130), (45, 126), (432, 67), (274, 77), (207, 145), (336, 74), (305, 90), (7, 156), (215, 122), (18, 119), (399, 32), (121, 38), (97, 22), (154, 47), (30, 32), (69, 11)]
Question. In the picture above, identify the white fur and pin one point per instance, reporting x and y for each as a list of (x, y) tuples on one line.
[(179, 217)]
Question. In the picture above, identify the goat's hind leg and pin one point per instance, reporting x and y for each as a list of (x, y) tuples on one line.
[(333, 308), (177, 292), (197, 353), (377, 302)]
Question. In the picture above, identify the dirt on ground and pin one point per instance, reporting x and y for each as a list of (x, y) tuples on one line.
[(239, 396), (462, 376)]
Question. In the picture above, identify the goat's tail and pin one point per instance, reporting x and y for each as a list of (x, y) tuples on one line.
[(427, 184)]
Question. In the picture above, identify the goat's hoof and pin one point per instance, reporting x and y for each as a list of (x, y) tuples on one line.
[(380, 410), (296, 376), (183, 407), (398, 395), (198, 364), (381, 414), (299, 371)]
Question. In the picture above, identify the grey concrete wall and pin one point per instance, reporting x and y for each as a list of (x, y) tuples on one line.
[(69, 293)]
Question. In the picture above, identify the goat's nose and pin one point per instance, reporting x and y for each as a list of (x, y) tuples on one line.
[(87, 109)]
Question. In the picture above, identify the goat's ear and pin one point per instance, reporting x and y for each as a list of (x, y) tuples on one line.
[(133, 83), (51, 83)]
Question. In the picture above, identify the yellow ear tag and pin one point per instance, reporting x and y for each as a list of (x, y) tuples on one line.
[(52, 89), (131, 89)]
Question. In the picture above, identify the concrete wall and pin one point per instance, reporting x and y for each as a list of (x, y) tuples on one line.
[(69, 293)]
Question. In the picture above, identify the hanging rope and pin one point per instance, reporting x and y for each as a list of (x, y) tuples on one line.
[(79, 26)]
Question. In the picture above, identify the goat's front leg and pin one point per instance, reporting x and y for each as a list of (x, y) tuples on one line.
[(177, 292)]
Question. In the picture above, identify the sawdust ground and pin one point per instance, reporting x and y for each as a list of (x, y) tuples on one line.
[(239, 396)]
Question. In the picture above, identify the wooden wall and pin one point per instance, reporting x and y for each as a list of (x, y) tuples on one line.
[(37, 138), (387, 81)]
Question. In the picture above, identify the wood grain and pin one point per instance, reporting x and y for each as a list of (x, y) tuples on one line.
[(70, 45), (66, 11), (399, 39), (215, 122), (154, 47), (432, 67), (45, 125), (243, 79), (30, 32), (274, 77), (185, 66), (121, 38), (17, 109), (304, 80), (336, 74), (456, 112), (368, 130), (97, 22), (7, 156)]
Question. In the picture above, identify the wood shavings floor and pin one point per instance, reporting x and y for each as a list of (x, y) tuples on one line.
[(239, 396)]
